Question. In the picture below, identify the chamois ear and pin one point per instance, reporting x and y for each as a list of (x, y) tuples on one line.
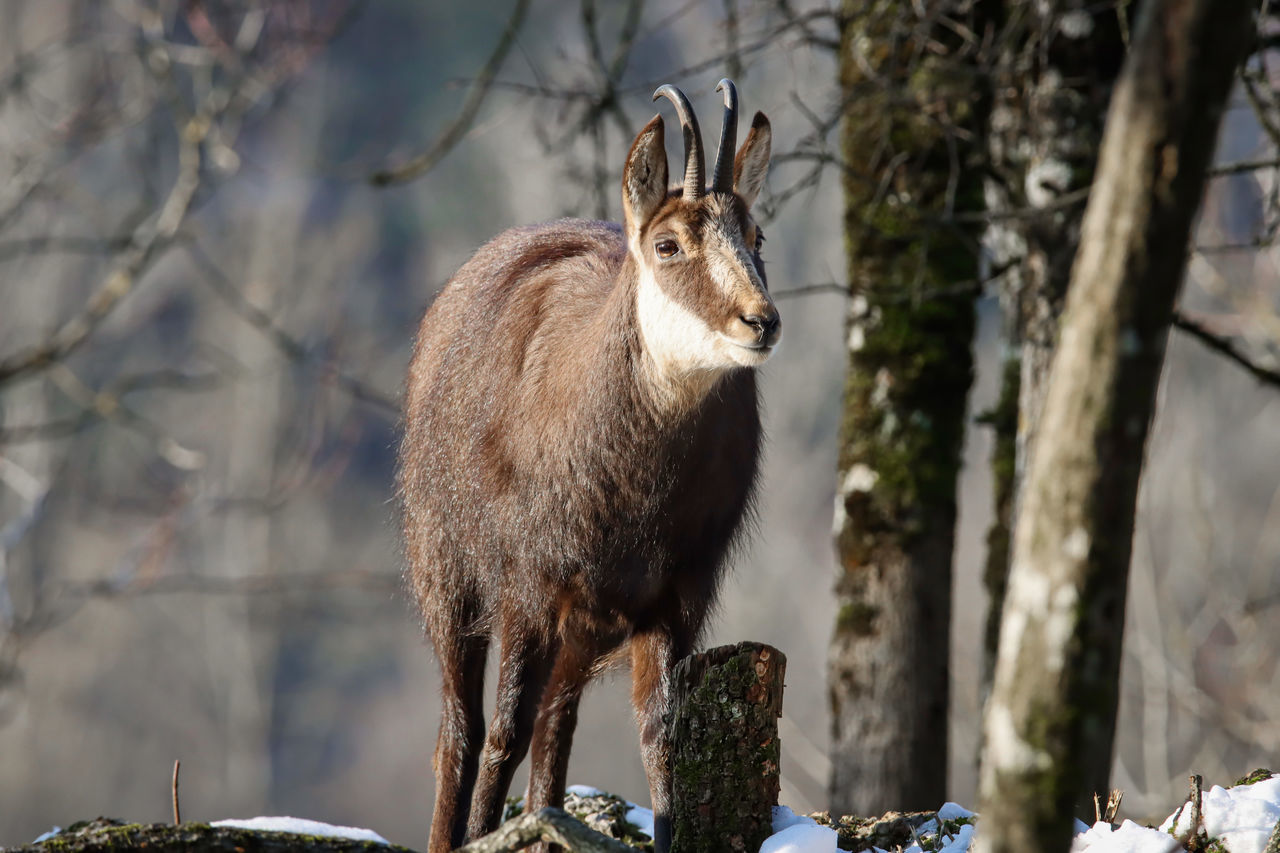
[(644, 178), (752, 163)]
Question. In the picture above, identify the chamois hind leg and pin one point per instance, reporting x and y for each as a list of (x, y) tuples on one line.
[(457, 756), (653, 655), (526, 658)]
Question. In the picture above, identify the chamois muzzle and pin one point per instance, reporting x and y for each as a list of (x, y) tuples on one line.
[(767, 327)]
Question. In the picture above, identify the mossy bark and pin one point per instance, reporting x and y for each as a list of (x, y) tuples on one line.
[(725, 705), (1051, 716), (915, 102)]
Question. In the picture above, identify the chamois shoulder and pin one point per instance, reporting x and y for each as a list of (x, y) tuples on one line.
[(524, 301), (556, 249)]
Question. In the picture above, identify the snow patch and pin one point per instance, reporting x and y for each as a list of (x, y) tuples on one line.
[(641, 818), (954, 811), (45, 836), (1129, 837), (299, 826), (1241, 817), (801, 838), (959, 843), (784, 817), (584, 791)]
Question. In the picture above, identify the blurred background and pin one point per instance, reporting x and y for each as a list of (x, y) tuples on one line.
[(219, 226)]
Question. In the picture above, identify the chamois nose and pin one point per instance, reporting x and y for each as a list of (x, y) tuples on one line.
[(765, 326)]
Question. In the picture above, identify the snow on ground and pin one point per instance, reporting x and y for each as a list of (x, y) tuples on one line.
[(300, 826), (1241, 818), (793, 833)]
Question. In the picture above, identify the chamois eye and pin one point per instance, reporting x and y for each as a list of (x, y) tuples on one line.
[(759, 241), (666, 248)]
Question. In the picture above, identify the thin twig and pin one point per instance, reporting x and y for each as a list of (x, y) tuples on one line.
[(457, 128), (1243, 167), (1113, 805), (1197, 793), (177, 813), (1227, 347)]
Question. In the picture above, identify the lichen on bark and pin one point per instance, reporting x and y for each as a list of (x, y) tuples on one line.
[(913, 118), (725, 750)]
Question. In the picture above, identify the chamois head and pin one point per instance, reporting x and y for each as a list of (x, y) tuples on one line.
[(702, 301)]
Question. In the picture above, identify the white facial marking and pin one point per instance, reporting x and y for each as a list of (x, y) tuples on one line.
[(678, 341), (685, 349)]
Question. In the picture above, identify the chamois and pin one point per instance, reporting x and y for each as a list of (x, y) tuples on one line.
[(581, 446)]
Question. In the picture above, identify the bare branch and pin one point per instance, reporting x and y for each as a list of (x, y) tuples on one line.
[(1227, 347), (1243, 167), (457, 128), (145, 247), (108, 404), (260, 584), (290, 346)]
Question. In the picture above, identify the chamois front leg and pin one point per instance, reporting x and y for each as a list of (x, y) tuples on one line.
[(553, 732), (526, 658), (653, 655)]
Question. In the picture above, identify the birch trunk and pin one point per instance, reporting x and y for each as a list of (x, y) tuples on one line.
[(1053, 84), (1051, 717)]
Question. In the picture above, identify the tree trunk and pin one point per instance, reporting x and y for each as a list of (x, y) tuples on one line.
[(1051, 717), (725, 705), (914, 109), (1053, 82)]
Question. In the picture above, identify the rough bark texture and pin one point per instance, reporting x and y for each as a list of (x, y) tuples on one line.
[(1053, 82), (1051, 716), (106, 834), (725, 705), (915, 106)]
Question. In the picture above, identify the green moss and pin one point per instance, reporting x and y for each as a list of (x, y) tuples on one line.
[(857, 617), (1260, 775), (906, 386)]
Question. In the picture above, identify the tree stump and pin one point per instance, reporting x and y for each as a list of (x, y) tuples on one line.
[(725, 705)]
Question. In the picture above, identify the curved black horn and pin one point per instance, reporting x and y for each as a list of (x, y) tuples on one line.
[(693, 160), (722, 181)]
